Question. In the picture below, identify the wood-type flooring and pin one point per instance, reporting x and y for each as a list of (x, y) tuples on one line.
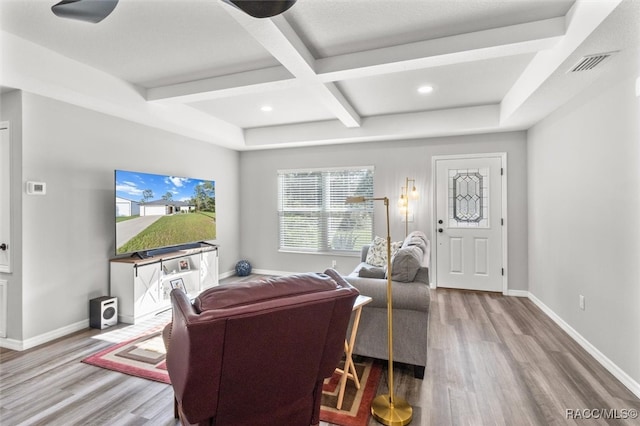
[(492, 360)]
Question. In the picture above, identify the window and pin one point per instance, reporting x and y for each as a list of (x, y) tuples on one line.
[(313, 214)]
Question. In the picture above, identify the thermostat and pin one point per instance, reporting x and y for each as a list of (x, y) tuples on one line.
[(36, 188)]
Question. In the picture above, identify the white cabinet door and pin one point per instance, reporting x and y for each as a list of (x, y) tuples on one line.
[(209, 269), (146, 288)]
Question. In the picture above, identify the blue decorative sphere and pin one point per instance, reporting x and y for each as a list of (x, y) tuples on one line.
[(243, 268)]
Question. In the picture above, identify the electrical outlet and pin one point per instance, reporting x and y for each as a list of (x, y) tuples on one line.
[(334, 263), (581, 302)]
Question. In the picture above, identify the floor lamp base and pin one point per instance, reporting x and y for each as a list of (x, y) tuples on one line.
[(399, 415)]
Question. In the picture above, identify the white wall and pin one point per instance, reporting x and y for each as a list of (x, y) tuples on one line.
[(68, 234), (394, 161), (584, 233)]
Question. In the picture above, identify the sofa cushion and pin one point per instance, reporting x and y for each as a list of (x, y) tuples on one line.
[(372, 272), (377, 254), (406, 263), (417, 238)]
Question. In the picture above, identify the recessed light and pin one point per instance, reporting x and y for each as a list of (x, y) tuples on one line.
[(425, 89), (266, 108)]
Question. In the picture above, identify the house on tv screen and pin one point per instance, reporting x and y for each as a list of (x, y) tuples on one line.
[(165, 207), (125, 207)]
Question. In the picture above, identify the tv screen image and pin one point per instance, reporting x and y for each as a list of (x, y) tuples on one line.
[(159, 211)]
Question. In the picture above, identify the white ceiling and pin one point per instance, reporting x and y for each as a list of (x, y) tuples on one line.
[(333, 71)]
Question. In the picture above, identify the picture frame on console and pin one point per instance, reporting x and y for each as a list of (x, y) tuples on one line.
[(178, 283), (183, 265)]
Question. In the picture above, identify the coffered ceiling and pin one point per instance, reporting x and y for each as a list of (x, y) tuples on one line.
[(326, 71)]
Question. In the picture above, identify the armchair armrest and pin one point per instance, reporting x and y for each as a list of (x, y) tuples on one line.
[(363, 252), (409, 296), (190, 338)]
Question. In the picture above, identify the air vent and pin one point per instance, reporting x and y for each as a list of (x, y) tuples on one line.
[(588, 63)]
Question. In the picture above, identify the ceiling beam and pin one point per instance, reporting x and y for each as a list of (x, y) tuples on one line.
[(582, 20), (241, 83), (466, 120), (281, 41), (494, 43)]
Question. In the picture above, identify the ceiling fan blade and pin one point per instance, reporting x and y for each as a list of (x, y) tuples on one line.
[(84, 10), (262, 9)]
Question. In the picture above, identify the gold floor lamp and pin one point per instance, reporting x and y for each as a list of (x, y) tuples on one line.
[(388, 409)]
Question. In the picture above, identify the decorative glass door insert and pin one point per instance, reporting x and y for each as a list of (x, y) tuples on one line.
[(468, 200)]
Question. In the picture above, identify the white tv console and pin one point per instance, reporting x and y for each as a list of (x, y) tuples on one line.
[(142, 286)]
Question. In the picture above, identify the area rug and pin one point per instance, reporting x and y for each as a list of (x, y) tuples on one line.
[(356, 404), (144, 357)]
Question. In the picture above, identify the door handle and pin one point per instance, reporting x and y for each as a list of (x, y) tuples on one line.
[(440, 230), (3, 246)]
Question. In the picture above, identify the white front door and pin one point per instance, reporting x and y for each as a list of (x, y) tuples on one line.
[(469, 222)]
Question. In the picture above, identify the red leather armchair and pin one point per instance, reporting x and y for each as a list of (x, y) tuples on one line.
[(257, 353)]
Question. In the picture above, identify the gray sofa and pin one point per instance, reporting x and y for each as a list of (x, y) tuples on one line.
[(410, 306)]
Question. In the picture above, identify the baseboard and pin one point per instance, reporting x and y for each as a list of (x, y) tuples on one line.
[(518, 293), (14, 345), (619, 374), (226, 275), (21, 345)]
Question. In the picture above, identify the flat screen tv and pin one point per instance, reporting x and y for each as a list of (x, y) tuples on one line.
[(155, 212)]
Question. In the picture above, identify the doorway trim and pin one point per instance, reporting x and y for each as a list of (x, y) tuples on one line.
[(5, 191), (505, 226)]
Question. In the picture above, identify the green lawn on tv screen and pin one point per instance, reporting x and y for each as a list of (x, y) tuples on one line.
[(173, 230)]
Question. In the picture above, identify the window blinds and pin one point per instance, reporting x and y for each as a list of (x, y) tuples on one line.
[(313, 215)]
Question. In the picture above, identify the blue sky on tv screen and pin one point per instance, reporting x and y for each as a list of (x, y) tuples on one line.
[(131, 186)]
